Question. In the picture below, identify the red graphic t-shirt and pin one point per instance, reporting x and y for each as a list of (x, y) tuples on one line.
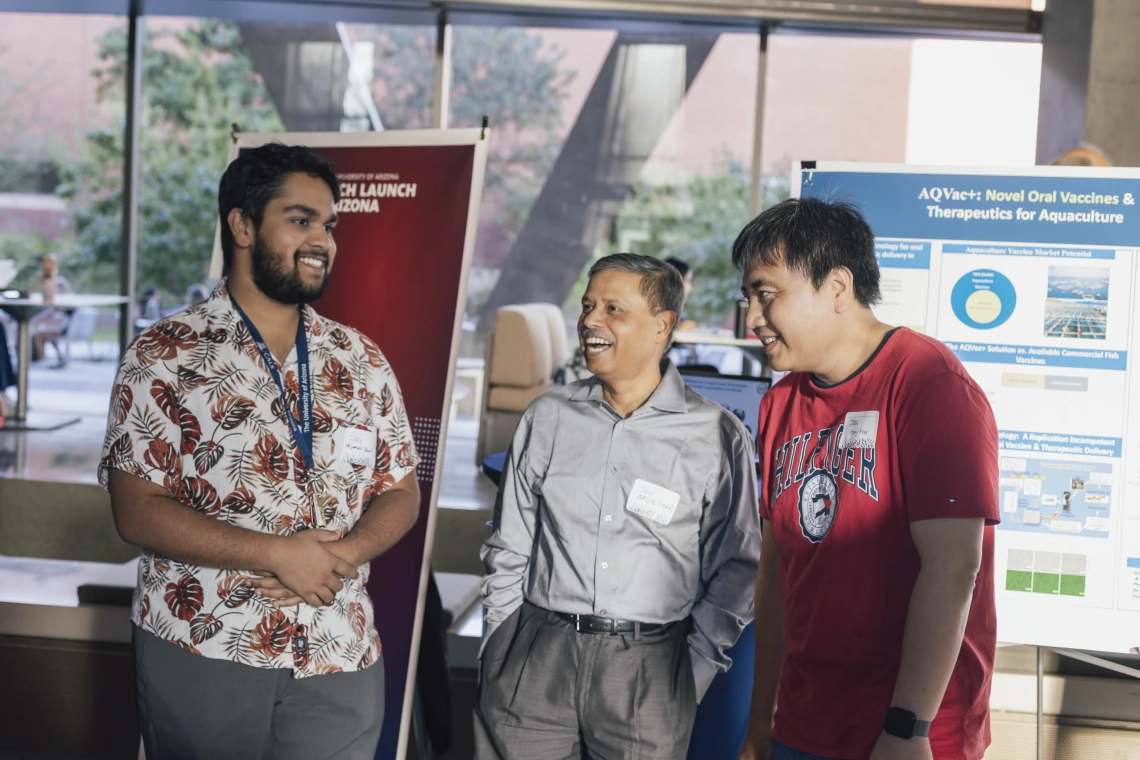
[(846, 469)]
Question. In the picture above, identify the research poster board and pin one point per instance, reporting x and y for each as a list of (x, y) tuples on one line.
[(405, 237), (1030, 277)]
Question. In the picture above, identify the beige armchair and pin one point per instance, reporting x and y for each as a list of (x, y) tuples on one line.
[(525, 349)]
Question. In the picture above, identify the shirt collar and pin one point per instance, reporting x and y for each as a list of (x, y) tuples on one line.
[(669, 396), (219, 302)]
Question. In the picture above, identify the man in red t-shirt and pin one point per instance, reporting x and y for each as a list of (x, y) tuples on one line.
[(875, 617)]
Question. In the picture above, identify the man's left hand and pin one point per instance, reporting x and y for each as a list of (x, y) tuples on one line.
[(266, 585), (893, 748)]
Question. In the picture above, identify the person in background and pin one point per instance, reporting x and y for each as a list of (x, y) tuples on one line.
[(150, 304), (50, 326), (261, 477), (7, 373), (196, 293), (624, 548), (876, 625), (1082, 155), (686, 271)]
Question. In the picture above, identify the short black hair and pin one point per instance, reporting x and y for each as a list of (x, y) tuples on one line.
[(812, 237), (661, 284), (680, 265), (255, 178)]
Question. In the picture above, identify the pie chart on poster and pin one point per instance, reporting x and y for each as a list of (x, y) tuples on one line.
[(983, 299)]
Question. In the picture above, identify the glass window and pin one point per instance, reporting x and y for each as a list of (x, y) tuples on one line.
[(605, 141), (201, 75), (61, 146), (61, 160), (973, 103), (894, 101)]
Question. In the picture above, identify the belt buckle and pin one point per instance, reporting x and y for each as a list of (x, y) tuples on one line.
[(577, 623)]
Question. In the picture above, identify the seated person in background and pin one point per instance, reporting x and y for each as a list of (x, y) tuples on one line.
[(150, 304), (51, 325), (624, 547), (196, 293), (686, 271)]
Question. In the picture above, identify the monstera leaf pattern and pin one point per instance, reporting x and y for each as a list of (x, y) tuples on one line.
[(190, 412)]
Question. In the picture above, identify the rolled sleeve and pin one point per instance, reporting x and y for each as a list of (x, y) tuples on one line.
[(506, 553), (730, 554)]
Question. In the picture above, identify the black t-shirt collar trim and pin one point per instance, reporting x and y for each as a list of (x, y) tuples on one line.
[(820, 384)]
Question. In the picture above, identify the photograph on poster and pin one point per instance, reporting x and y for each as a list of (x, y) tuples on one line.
[(1076, 305)]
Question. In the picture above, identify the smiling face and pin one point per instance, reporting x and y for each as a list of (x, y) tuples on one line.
[(294, 249), (794, 320), (620, 335)]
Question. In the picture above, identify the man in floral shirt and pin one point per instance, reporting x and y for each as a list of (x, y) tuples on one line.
[(261, 456)]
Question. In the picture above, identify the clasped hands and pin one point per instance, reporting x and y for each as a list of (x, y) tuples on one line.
[(309, 566)]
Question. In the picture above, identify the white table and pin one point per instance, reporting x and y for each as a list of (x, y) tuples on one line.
[(23, 310)]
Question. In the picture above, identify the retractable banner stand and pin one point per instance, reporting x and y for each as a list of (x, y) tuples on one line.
[(1030, 277), (406, 231)]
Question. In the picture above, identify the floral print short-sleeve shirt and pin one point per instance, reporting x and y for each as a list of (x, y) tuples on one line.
[(195, 409)]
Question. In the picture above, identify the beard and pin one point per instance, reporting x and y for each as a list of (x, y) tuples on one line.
[(281, 283)]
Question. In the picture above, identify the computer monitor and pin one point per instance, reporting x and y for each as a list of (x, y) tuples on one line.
[(737, 393)]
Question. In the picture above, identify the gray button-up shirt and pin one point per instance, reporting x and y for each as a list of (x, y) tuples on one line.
[(569, 538)]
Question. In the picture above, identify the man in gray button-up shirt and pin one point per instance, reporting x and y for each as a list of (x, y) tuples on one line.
[(625, 547)]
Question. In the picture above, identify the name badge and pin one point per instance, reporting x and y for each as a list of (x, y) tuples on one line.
[(860, 430), (654, 502), (359, 447)]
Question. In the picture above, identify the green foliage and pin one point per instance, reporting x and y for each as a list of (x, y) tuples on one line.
[(504, 73), (696, 221), (25, 250), (196, 82)]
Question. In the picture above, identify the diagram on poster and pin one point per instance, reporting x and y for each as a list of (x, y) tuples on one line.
[(1028, 277), (983, 299), (1055, 495)]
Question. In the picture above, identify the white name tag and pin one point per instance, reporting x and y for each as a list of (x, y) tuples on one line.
[(359, 447), (654, 502), (860, 430)]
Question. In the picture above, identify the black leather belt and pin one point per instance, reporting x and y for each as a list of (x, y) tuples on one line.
[(609, 626)]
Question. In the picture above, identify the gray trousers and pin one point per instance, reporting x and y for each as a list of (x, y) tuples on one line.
[(550, 692), (194, 707)]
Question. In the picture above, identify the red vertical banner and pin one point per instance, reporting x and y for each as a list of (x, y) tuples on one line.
[(408, 210)]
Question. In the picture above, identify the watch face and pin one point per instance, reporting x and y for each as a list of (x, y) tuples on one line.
[(900, 723)]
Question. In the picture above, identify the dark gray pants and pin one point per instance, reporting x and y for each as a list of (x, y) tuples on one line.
[(194, 707), (550, 692)]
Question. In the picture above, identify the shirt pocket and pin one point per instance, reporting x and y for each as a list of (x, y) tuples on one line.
[(346, 456)]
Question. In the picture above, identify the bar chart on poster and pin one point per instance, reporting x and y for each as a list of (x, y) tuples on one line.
[(1029, 276)]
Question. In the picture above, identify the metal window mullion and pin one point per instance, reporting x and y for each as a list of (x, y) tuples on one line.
[(441, 85), (128, 259), (756, 194)]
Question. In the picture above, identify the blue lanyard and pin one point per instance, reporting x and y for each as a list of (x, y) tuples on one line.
[(303, 428)]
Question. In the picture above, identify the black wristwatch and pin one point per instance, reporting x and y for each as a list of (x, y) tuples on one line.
[(904, 724)]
